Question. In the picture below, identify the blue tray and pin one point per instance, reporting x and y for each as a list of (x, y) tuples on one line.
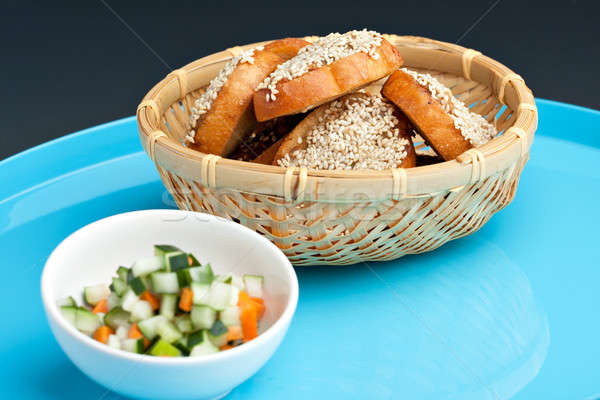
[(512, 310)]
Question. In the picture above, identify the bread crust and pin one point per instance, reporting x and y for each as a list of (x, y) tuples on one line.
[(289, 143), (231, 115), (326, 83), (426, 114)]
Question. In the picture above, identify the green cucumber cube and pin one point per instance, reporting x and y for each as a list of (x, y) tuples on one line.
[(164, 349)]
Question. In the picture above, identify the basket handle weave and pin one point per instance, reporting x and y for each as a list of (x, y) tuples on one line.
[(466, 60), (399, 183), (505, 80), (477, 158), (300, 187)]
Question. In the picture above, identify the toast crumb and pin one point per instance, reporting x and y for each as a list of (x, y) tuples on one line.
[(203, 103), (471, 125), (355, 133), (324, 51)]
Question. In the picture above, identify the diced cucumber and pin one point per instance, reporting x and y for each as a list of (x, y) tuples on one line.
[(118, 286), (254, 285), (202, 274), (203, 317), (160, 250), (117, 317), (67, 301), (133, 345), (222, 295), (149, 326), (138, 285), (86, 321), (114, 342), (193, 260), (167, 331), (218, 333), (100, 317), (230, 316), (70, 313), (176, 261), (146, 266), (204, 346), (234, 295), (128, 300), (238, 282), (231, 279), (168, 304), (123, 273), (225, 278), (184, 323), (112, 301), (81, 318), (93, 294), (141, 310), (181, 345), (164, 349), (201, 293), (165, 282), (196, 338), (218, 328), (122, 331), (184, 278)]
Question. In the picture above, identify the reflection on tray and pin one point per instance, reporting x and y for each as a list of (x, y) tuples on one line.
[(457, 323), (480, 306)]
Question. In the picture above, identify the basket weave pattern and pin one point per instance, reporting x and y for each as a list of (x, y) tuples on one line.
[(344, 217)]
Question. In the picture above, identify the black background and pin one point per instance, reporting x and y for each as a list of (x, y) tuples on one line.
[(70, 65)]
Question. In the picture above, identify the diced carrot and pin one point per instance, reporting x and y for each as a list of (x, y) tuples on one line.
[(150, 298), (190, 261), (186, 300), (260, 308), (100, 307), (226, 347), (234, 333), (135, 333), (243, 298), (248, 318), (257, 300), (103, 333), (248, 315)]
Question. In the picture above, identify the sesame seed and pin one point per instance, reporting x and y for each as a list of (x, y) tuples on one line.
[(357, 132), (324, 51), (471, 125), (204, 102)]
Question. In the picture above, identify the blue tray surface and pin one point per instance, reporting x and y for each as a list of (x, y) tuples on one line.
[(509, 312)]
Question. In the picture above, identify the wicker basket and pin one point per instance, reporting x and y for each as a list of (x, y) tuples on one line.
[(345, 217)]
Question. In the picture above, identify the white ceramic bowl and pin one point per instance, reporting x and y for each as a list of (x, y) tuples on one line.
[(93, 253)]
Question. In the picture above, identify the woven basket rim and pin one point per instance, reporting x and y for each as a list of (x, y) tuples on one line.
[(499, 153)]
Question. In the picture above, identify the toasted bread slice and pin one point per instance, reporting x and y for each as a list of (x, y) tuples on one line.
[(427, 115), (320, 85), (298, 138), (230, 116)]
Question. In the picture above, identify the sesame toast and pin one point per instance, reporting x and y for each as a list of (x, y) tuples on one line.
[(224, 114), (443, 121), (312, 143), (327, 69)]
